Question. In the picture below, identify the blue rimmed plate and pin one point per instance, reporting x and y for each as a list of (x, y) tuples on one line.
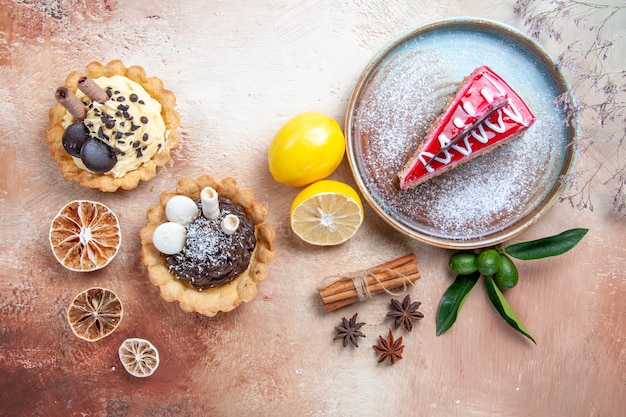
[(407, 85)]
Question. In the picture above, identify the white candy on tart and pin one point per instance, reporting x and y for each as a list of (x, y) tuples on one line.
[(210, 204), (230, 224), (182, 210), (170, 237)]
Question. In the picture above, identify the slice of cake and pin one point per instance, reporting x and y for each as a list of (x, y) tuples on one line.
[(484, 113)]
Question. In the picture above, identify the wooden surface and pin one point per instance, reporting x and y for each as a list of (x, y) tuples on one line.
[(240, 69)]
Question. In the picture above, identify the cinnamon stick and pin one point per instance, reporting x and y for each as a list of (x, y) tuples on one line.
[(398, 264), (92, 90), (71, 103), (345, 287), (374, 289), (361, 285)]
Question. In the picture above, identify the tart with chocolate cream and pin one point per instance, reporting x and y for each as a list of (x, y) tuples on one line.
[(484, 114), (206, 245), (112, 127)]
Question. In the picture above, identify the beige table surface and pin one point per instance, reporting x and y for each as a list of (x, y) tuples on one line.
[(240, 69)]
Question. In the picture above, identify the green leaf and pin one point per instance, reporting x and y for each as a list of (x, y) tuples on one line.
[(503, 307), (547, 246), (453, 299)]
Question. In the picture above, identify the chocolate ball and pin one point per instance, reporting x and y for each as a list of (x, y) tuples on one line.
[(74, 137), (97, 156)]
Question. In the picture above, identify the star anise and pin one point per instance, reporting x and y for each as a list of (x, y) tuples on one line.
[(389, 349), (405, 312), (349, 331)]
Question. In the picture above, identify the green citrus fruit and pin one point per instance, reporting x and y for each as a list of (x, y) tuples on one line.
[(463, 263), (506, 276), (488, 262)]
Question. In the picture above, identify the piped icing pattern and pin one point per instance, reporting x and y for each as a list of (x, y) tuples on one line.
[(484, 113)]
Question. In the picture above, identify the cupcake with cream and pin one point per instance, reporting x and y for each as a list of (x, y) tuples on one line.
[(112, 127)]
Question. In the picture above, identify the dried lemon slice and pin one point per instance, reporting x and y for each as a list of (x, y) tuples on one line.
[(85, 235), (139, 357), (95, 313)]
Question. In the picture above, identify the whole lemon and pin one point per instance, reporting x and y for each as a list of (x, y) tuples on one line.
[(308, 148)]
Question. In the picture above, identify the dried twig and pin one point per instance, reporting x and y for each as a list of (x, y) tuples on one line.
[(600, 92)]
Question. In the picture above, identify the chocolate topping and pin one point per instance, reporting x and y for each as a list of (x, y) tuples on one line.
[(71, 103), (211, 258), (92, 90)]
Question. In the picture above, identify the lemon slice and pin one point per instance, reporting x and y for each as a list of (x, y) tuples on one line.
[(139, 357), (95, 313), (326, 213), (85, 236)]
